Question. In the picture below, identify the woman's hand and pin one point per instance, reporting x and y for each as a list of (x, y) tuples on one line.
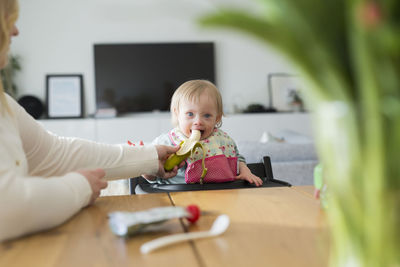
[(245, 174), (163, 153), (94, 178)]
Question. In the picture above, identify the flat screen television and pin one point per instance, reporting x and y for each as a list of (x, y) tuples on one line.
[(142, 77)]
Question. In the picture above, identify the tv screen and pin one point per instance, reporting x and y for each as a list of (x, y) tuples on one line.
[(142, 77)]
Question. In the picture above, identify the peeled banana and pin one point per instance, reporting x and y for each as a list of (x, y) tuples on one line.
[(187, 148)]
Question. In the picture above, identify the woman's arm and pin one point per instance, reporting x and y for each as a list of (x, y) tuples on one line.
[(37, 189), (30, 204), (160, 140), (50, 155)]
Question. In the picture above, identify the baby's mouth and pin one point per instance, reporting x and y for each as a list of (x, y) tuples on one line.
[(201, 132)]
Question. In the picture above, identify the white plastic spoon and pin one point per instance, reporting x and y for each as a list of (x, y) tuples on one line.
[(219, 226)]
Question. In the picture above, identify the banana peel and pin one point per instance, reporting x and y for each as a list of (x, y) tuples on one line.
[(187, 148)]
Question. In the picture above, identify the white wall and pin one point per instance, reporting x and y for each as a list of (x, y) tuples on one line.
[(57, 36)]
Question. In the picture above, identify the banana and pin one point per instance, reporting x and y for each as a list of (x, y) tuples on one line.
[(187, 148)]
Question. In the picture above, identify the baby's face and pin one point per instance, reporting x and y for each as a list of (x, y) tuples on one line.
[(201, 115)]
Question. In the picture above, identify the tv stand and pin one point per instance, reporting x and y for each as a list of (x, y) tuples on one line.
[(147, 126)]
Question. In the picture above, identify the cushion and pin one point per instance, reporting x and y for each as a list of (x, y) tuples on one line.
[(278, 152)]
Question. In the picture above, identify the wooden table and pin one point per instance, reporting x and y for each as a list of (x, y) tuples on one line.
[(269, 227), (305, 189)]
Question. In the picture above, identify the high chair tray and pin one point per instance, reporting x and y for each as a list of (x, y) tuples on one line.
[(162, 188)]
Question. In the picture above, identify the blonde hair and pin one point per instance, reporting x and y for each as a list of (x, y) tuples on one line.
[(191, 91), (8, 17)]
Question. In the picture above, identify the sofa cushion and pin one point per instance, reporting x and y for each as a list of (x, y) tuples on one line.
[(278, 152), (295, 172), (291, 162)]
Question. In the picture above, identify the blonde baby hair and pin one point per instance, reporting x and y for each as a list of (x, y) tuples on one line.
[(191, 91), (8, 17)]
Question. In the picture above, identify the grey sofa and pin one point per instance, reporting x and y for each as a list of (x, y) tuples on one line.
[(293, 160)]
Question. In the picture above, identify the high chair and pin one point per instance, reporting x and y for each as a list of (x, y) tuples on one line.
[(262, 170)]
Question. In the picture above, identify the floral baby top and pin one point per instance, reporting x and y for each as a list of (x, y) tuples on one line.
[(222, 158)]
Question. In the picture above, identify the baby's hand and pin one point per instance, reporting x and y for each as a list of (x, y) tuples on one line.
[(251, 179), (245, 174)]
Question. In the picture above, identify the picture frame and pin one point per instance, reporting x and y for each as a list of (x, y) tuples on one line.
[(285, 92), (64, 96)]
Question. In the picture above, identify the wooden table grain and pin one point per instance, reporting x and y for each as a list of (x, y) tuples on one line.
[(308, 190), (276, 226), (86, 240)]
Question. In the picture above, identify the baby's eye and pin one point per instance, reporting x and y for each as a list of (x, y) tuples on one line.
[(190, 114), (207, 116)]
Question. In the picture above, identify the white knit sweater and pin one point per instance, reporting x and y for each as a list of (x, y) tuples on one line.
[(38, 188)]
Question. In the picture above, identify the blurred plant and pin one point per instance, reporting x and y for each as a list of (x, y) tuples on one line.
[(349, 53), (8, 74)]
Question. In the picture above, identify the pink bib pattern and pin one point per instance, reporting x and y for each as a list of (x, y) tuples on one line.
[(221, 158)]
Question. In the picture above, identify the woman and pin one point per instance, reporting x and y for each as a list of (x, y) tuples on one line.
[(45, 179)]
